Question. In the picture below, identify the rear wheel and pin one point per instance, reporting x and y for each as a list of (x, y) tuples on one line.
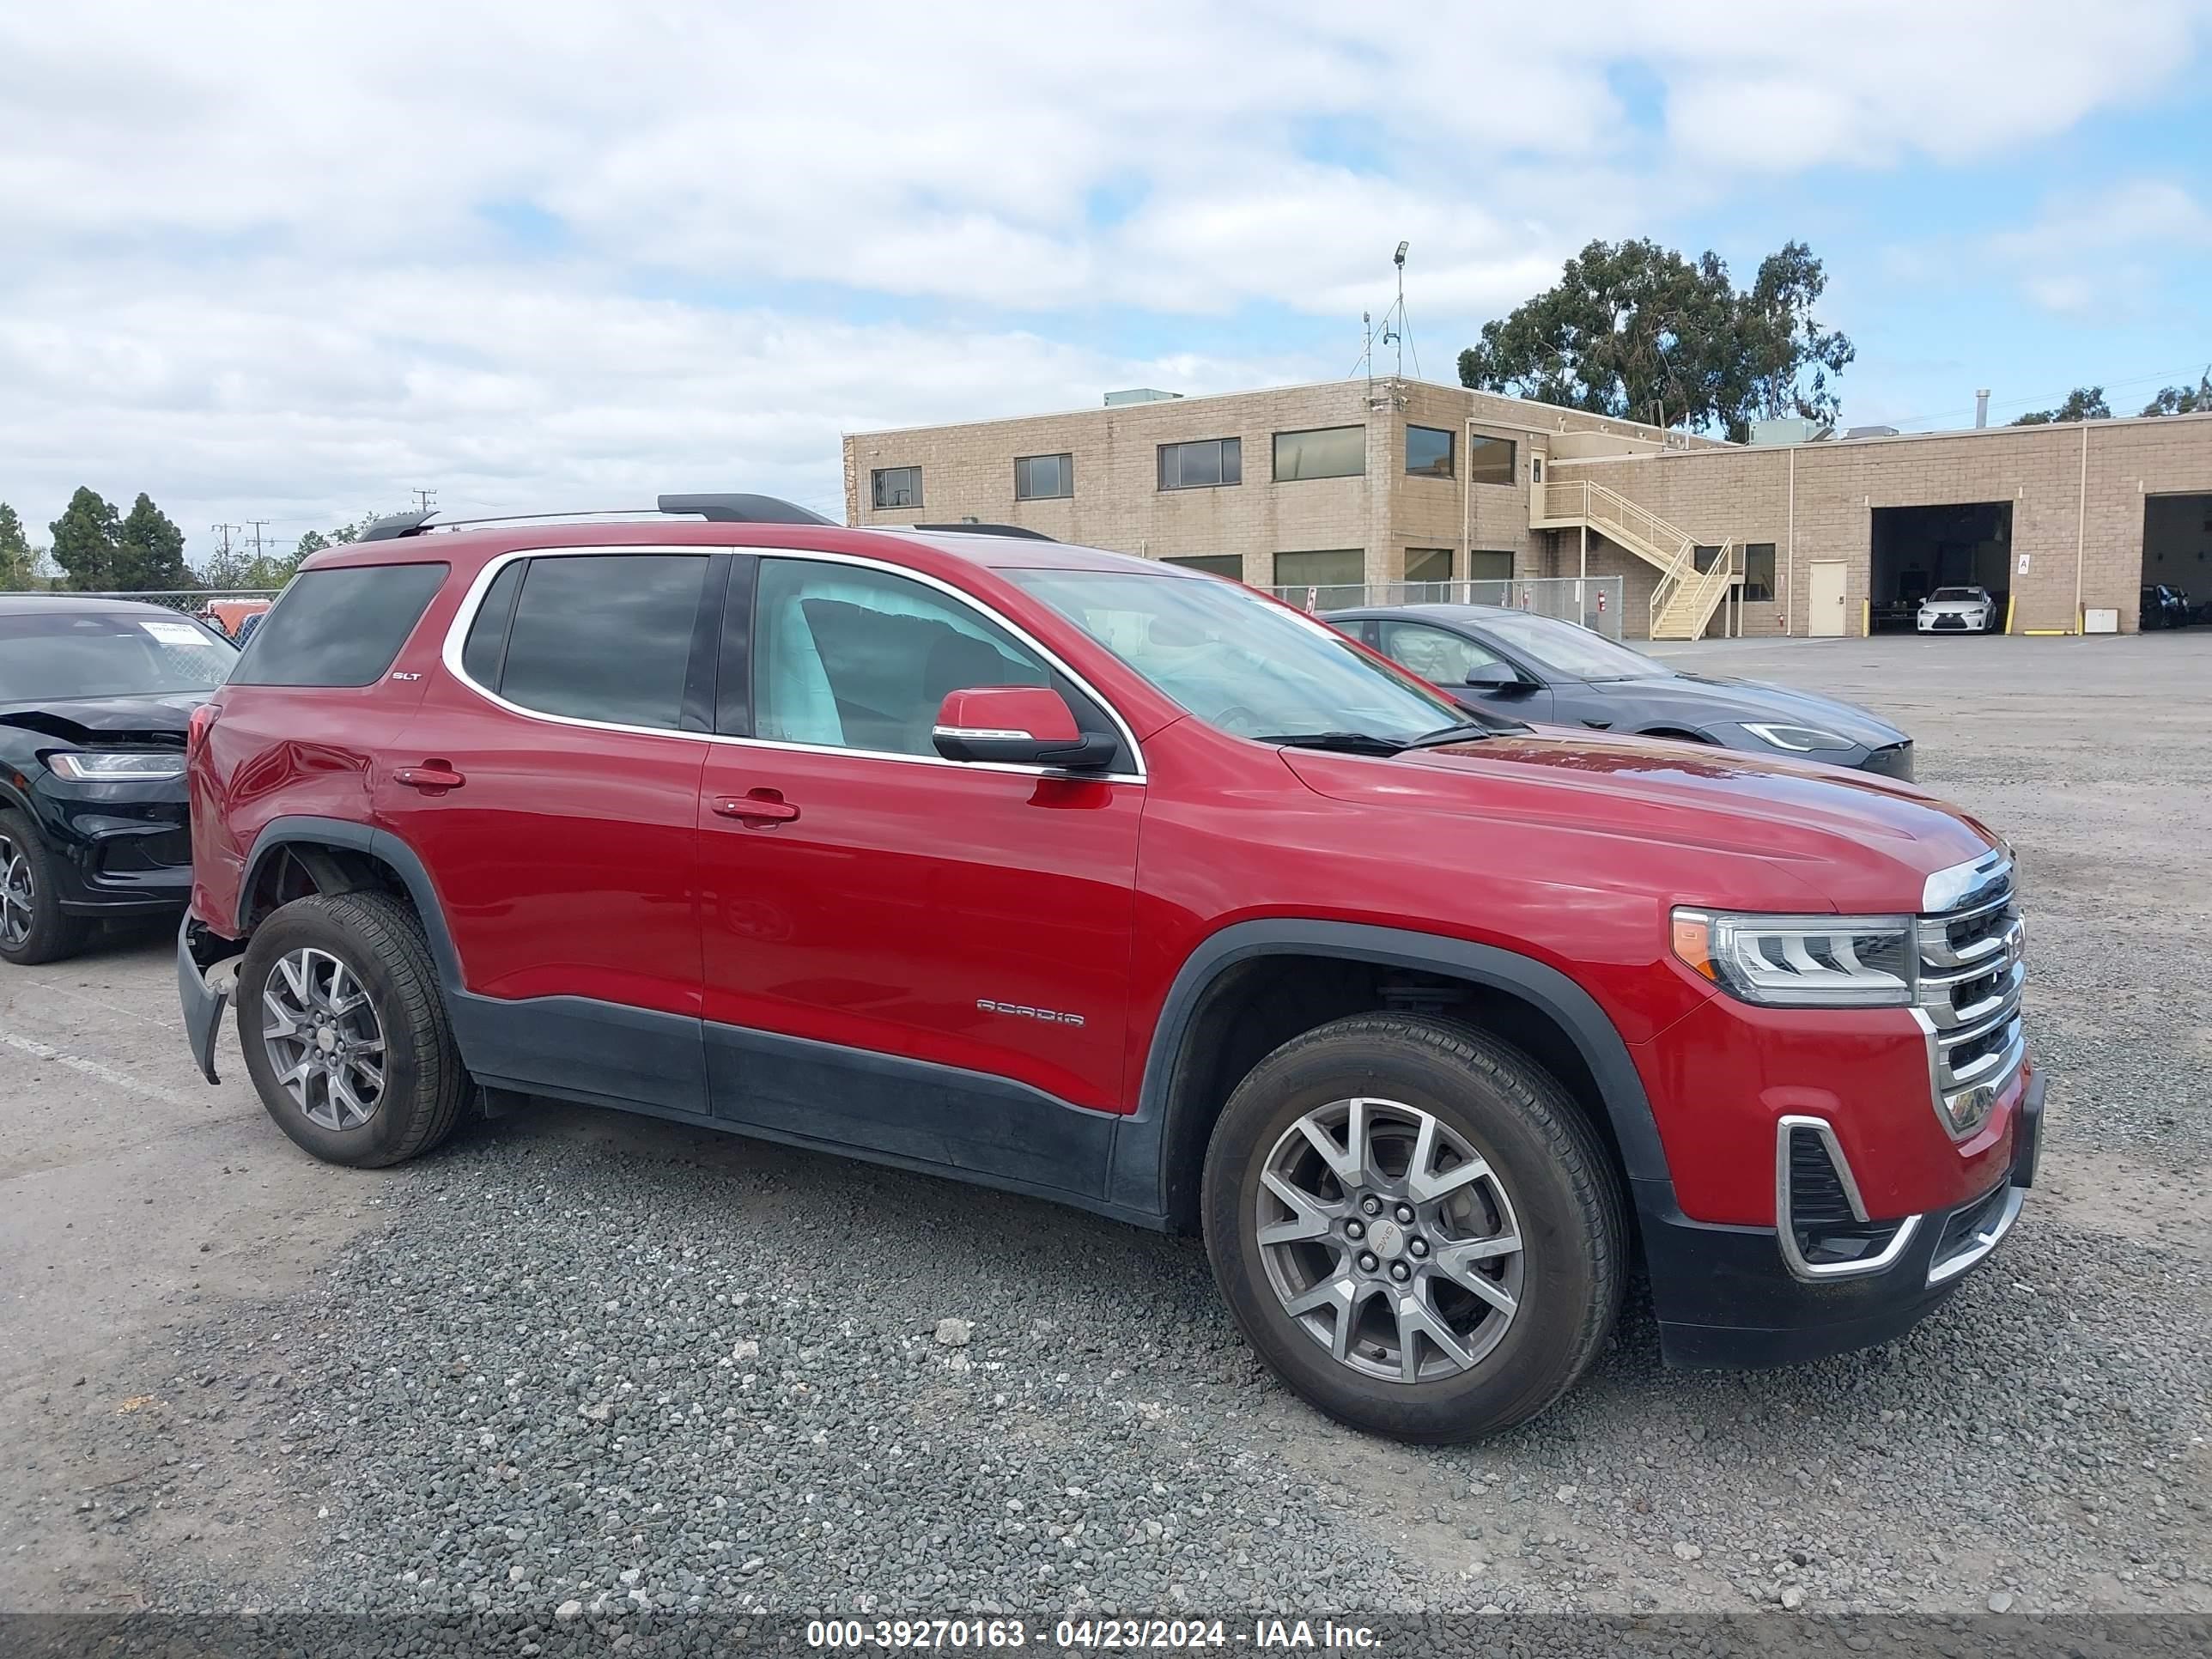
[(34, 927), (1415, 1226), (344, 1030)]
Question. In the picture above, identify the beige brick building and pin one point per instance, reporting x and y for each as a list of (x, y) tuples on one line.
[(1391, 481)]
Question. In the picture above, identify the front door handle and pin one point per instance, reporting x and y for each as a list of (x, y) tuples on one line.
[(435, 775), (761, 806)]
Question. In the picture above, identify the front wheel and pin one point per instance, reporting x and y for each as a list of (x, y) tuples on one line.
[(344, 1030), (34, 927), (1415, 1226)]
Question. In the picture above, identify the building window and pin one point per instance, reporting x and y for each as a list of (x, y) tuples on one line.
[(1759, 570), (898, 486), (1335, 567), (1043, 477), (1214, 564), (1428, 452), (1330, 452), (1490, 460), (1428, 564), (1703, 558), (1489, 567), (1202, 465)]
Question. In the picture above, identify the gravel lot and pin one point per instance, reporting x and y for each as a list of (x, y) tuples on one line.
[(585, 1362)]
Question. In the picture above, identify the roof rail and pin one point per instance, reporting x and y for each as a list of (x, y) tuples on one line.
[(971, 528), (399, 523), (741, 509)]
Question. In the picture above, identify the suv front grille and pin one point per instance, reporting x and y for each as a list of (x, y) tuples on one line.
[(1971, 975)]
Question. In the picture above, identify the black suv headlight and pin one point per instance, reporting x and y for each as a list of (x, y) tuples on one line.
[(121, 766)]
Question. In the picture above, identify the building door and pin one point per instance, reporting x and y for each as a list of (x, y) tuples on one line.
[(1824, 621)]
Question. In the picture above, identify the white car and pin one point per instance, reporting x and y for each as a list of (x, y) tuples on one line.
[(1958, 611)]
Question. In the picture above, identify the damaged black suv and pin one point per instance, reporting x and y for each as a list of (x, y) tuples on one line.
[(95, 699)]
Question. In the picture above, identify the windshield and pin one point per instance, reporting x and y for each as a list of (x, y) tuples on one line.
[(1956, 593), (52, 656), (1567, 650), (1239, 661)]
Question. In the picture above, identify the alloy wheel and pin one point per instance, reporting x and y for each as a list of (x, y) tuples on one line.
[(17, 893), (325, 1044), (1389, 1240)]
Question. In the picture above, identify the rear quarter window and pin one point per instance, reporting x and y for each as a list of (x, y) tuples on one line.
[(339, 626)]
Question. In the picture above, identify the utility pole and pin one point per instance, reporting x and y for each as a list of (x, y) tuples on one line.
[(426, 499), (259, 525)]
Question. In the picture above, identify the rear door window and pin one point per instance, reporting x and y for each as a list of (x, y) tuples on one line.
[(604, 637), (339, 626)]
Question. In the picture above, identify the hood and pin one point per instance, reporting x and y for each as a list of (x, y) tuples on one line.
[(153, 722), (1949, 607), (1703, 700), (1859, 842)]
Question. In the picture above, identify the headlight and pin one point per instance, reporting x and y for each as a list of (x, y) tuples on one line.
[(1801, 739), (1802, 961), (133, 766)]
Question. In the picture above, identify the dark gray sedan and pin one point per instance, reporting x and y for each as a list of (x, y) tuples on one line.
[(1517, 667)]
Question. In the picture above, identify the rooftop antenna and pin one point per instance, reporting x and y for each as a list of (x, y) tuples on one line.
[(1394, 333)]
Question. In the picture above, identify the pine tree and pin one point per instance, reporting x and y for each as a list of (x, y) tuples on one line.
[(84, 542)]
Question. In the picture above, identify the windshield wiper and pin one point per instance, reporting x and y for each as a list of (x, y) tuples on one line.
[(1464, 732), (1349, 743)]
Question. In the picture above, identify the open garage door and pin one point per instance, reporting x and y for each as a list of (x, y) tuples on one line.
[(1917, 550), (2178, 553)]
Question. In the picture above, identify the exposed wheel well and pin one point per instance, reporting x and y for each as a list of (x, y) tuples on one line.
[(1674, 732), (299, 868), (1254, 1006)]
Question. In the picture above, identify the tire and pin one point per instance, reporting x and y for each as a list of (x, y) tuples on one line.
[(378, 943), (1551, 1184), (34, 927)]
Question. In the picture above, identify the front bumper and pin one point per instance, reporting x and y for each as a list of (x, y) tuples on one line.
[(1726, 1298), (120, 848)]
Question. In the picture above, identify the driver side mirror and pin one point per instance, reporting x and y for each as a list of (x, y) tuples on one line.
[(1495, 676), (1024, 725)]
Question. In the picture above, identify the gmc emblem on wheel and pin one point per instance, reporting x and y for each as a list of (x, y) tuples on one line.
[(1050, 1016)]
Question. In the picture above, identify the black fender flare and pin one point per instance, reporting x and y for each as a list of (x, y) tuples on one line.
[(278, 834), (1141, 1179)]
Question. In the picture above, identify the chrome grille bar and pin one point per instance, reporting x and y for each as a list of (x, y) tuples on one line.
[(1975, 946)]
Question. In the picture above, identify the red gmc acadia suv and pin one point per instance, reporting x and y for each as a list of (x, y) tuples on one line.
[(1087, 877)]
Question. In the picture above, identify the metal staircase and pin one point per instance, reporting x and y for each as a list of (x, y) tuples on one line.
[(1683, 602)]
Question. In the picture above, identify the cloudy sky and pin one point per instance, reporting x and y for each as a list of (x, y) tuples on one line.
[(291, 263)]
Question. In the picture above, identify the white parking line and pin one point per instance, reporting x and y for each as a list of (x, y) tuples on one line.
[(51, 988), (93, 1068)]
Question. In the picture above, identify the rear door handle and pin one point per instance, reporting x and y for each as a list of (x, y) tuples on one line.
[(762, 806), (433, 776)]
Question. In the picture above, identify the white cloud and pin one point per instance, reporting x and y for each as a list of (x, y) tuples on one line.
[(238, 396), (2083, 255), (255, 259)]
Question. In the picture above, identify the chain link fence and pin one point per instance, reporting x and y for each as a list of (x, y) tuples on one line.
[(192, 601), (1593, 601), (223, 609)]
